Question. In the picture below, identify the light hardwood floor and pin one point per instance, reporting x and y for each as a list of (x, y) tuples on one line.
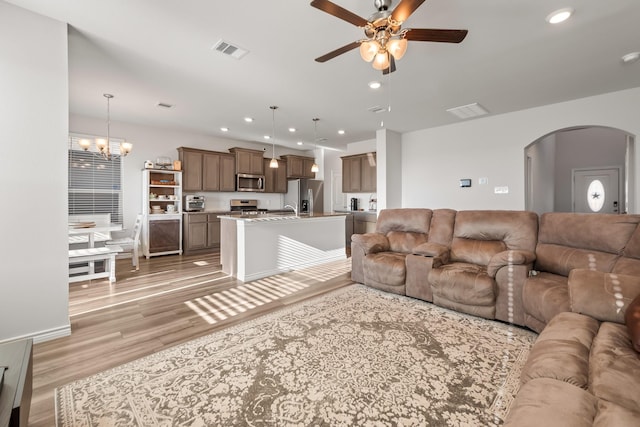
[(170, 300)]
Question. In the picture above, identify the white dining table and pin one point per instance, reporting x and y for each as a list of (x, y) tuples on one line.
[(91, 232)]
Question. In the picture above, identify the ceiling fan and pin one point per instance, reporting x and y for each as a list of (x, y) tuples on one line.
[(385, 40)]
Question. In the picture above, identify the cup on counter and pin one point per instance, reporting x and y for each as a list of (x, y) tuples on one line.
[(171, 208)]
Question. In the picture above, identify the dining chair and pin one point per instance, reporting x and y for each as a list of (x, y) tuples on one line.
[(128, 241)]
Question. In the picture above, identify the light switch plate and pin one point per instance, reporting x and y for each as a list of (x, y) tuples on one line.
[(483, 180), (501, 190)]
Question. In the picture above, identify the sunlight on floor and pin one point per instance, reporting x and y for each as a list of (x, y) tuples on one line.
[(222, 305)]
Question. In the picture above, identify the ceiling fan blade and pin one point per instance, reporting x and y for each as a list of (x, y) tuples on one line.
[(338, 51), (405, 8), (339, 12), (435, 35), (392, 66)]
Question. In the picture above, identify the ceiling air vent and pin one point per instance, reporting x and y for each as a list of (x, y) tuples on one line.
[(468, 111), (377, 109), (230, 49)]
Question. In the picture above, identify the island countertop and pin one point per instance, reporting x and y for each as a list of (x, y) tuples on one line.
[(278, 216)]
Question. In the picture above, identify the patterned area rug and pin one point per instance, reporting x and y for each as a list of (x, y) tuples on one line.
[(355, 356)]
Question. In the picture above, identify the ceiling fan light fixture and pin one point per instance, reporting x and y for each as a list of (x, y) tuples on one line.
[(381, 61), (368, 50), (397, 47)]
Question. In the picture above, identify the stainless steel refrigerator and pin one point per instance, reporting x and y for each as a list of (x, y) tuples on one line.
[(306, 194)]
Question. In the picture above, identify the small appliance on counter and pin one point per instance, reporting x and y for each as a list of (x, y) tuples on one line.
[(354, 204), (193, 203)]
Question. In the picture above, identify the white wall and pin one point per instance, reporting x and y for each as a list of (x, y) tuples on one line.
[(542, 185), (150, 143), (433, 160), (33, 134)]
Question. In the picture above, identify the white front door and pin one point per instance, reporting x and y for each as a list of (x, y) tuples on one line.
[(596, 190)]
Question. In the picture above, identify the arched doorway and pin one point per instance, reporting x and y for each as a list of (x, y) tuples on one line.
[(556, 164)]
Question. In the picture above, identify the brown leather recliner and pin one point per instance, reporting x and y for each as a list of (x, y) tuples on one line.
[(378, 259), (490, 257)]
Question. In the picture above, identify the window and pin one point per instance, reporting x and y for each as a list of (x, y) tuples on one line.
[(95, 183)]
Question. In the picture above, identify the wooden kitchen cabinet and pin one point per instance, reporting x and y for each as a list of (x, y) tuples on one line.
[(364, 222), (275, 180), (201, 231), (248, 161), (164, 237), (299, 166), (359, 173), (205, 170)]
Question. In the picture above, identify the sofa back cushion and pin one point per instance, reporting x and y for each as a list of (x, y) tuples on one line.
[(405, 228), (479, 235), (441, 229), (629, 262), (574, 240)]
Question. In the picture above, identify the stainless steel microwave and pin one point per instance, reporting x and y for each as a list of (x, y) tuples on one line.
[(247, 182)]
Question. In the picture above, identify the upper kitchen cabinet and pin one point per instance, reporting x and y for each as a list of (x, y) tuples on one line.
[(275, 179), (205, 170), (299, 166), (248, 161), (359, 173)]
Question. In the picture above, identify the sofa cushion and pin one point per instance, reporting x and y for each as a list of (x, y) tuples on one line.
[(408, 220), (561, 260), (551, 403), (384, 268), (601, 233), (545, 295), (614, 367), (632, 319), (463, 283), (609, 414), (403, 241), (603, 296), (561, 351), (479, 235)]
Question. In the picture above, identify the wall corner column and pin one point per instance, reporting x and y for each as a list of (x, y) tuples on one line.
[(388, 170)]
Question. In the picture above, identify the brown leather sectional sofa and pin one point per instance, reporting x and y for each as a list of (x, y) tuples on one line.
[(569, 277)]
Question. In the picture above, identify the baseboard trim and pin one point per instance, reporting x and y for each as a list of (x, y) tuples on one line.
[(47, 335)]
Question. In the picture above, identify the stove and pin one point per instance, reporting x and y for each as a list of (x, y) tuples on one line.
[(246, 206)]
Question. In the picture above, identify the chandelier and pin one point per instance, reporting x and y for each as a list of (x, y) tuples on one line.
[(382, 43), (104, 145)]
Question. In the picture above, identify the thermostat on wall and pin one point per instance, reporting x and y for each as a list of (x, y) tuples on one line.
[(465, 183)]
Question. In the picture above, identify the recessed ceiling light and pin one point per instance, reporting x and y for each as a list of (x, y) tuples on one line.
[(224, 129), (299, 142), (267, 137), (375, 85), (630, 58), (341, 132), (292, 130), (248, 119), (559, 15)]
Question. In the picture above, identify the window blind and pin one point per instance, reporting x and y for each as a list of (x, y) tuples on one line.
[(95, 183)]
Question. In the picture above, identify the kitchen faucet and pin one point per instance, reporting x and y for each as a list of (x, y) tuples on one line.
[(295, 209)]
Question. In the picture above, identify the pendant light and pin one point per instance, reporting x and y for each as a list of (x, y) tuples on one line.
[(314, 166), (273, 163)]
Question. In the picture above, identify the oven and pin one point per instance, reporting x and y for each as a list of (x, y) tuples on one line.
[(245, 207)]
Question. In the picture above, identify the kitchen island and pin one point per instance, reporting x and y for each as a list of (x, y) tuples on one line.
[(257, 246)]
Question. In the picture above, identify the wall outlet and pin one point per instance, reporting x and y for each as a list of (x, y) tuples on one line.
[(483, 180), (501, 190)]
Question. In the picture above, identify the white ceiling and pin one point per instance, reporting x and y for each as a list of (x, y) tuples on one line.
[(150, 51)]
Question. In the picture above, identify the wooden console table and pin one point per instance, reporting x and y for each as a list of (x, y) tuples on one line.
[(15, 395)]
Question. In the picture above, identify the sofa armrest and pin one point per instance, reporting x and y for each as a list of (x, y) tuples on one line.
[(371, 242), (603, 296), (431, 249), (505, 258)]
